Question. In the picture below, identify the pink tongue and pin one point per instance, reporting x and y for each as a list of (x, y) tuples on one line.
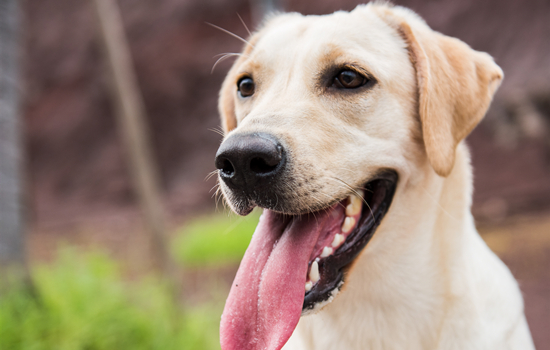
[(265, 302)]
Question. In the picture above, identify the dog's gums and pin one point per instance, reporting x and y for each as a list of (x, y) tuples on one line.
[(353, 205)]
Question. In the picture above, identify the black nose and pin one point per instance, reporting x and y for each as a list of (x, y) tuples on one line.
[(251, 161)]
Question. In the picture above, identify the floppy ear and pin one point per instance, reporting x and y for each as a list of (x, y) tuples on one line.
[(455, 86), (226, 104)]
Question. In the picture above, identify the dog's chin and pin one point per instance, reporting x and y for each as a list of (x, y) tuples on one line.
[(350, 225)]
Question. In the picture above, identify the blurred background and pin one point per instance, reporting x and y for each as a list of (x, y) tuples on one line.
[(101, 275)]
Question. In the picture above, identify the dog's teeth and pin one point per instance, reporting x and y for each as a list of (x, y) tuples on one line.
[(338, 239), (351, 210), (326, 252), (349, 222), (355, 204), (309, 285), (314, 272)]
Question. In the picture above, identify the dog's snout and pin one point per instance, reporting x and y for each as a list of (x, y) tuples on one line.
[(250, 161)]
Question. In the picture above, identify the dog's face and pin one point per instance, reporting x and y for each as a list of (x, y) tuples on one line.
[(341, 104), (325, 116)]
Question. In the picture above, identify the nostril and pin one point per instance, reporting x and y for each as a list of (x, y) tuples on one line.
[(260, 166), (227, 168)]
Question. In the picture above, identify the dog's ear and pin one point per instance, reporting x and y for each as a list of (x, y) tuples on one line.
[(455, 85), (226, 104)]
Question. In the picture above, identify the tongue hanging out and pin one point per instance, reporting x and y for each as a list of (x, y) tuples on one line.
[(267, 296), (295, 264)]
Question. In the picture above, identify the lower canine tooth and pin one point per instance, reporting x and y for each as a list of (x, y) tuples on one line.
[(338, 239), (309, 285), (314, 272), (349, 222), (326, 252)]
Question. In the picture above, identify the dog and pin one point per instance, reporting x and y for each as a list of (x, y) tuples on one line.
[(348, 129)]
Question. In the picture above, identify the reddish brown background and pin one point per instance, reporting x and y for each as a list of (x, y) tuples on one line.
[(75, 166)]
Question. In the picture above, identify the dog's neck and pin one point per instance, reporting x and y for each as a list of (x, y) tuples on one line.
[(411, 274)]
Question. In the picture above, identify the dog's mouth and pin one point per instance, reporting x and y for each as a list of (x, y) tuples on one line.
[(353, 222), (297, 263)]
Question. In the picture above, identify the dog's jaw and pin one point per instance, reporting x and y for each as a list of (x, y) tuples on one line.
[(297, 263)]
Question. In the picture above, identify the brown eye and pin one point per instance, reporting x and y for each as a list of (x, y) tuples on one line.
[(348, 79), (246, 86)]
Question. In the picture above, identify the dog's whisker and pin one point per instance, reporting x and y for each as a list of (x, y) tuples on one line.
[(224, 203), (210, 174), (219, 196), (365, 189), (216, 186), (317, 199), (221, 59), (218, 130), (216, 198), (332, 199), (348, 186), (357, 194), (230, 33), (310, 209), (228, 53), (244, 24)]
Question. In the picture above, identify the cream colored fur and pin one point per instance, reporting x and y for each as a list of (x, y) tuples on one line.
[(426, 280)]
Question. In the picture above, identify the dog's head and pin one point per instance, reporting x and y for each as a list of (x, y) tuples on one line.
[(324, 117)]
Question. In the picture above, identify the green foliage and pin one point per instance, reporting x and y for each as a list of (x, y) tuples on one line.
[(81, 303), (215, 240)]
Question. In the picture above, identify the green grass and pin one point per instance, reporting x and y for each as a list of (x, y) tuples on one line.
[(81, 303), (214, 240)]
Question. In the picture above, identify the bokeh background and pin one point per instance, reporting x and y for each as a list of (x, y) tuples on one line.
[(78, 191)]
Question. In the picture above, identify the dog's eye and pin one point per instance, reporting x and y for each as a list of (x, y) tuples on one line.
[(246, 86), (349, 79)]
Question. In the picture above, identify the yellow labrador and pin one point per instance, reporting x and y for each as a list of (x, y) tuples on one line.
[(347, 129)]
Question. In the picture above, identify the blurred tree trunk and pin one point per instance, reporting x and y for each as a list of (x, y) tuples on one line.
[(11, 221), (132, 120)]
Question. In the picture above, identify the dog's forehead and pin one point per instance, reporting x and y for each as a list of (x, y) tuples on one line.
[(358, 35)]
